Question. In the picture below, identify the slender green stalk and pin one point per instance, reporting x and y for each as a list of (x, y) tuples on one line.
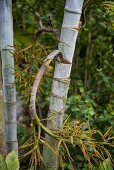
[(8, 75), (61, 78)]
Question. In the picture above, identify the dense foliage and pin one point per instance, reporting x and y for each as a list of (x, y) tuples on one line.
[(91, 93)]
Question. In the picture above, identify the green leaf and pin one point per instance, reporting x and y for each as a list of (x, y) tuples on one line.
[(81, 90), (3, 165), (105, 165), (12, 161), (112, 113), (101, 167)]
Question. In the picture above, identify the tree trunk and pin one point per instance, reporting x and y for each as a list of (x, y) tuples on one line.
[(87, 76), (61, 78), (75, 69), (8, 75), (87, 61)]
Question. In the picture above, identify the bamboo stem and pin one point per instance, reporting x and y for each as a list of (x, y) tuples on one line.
[(8, 75), (61, 79)]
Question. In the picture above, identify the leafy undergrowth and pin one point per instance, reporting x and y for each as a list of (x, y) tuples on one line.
[(91, 143)]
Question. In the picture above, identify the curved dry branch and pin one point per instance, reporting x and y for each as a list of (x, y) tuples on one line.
[(38, 78), (36, 83)]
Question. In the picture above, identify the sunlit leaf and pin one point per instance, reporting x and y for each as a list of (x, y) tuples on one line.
[(12, 161)]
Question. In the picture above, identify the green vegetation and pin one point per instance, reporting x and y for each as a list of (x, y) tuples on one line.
[(91, 91), (86, 139), (10, 163)]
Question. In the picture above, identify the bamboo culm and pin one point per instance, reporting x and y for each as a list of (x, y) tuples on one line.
[(61, 80), (9, 91)]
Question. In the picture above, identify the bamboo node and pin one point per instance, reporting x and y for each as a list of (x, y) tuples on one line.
[(62, 80), (10, 121), (59, 97), (73, 12), (53, 112)]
